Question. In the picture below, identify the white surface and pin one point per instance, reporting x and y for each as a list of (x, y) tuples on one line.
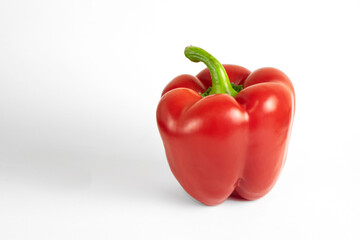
[(80, 154)]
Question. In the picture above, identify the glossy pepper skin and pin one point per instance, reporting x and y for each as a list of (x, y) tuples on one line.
[(226, 142)]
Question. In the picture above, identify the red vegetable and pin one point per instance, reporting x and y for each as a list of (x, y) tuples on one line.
[(220, 138)]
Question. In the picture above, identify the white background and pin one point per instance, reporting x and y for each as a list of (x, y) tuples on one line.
[(80, 153)]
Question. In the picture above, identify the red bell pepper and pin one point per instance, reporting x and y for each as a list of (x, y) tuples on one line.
[(226, 130)]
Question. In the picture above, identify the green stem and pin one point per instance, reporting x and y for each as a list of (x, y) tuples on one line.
[(220, 80)]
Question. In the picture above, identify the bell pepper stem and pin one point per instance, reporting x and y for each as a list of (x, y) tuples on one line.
[(219, 77)]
